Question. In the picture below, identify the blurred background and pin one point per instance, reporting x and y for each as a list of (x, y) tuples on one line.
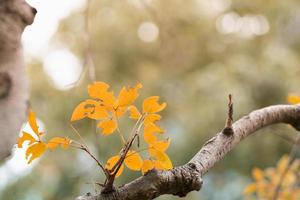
[(191, 53)]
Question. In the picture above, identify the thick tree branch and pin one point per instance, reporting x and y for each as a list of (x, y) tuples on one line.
[(186, 178)]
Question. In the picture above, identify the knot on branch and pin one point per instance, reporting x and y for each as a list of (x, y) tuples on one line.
[(186, 179)]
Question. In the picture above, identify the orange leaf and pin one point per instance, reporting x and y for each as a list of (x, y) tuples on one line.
[(162, 158), (120, 111), (151, 118), (99, 112), (257, 174), (293, 99), (162, 145), (79, 112), (128, 96), (63, 142), (33, 123), (108, 126), (151, 105), (111, 163), (25, 137), (158, 165), (98, 90), (147, 165), (149, 137), (250, 189), (133, 161), (89, 108), (134, 112), (153, 128), (165, 162), (35, 151)]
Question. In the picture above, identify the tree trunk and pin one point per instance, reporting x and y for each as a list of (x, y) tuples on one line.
[(15, 15)]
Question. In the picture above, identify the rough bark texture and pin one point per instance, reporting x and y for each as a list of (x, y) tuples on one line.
[(181, 180), (15, 15)]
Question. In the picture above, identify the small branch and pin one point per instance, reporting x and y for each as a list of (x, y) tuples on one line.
[(96, 160), (228, 131)]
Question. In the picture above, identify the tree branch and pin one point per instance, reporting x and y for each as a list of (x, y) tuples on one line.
[(181, 180)]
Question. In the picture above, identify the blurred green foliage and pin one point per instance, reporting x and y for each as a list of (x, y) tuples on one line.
[(192, 65)]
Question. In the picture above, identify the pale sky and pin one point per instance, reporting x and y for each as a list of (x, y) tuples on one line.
[(59, 63)]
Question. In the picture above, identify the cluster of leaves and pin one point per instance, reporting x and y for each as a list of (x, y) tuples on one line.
[(105, 107), (282, 180), (37, 147), (266, 181)]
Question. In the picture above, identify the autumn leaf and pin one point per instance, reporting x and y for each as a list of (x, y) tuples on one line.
[(33, 124), (133, 161), (257, 174), (151, 118), (134, 112), (153, 128), (89, 108), (99, 90), (151, 105), (250, 189), (63, 142), (34, 151), (147, 165), (149, 137), (293, 99), (25, 137), (108, 126), (128, 96), (111, 163)]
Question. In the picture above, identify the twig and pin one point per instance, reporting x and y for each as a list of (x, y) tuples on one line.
[(228, 125), (96, 160)]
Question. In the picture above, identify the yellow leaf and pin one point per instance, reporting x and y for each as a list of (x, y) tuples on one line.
[(250, 189), (79, 112), (128, 96), (293, 99), (151, 118), (257, 174), (147, 165), (98, 90), (25, 137), (158, 165), (165, 161), (161, 157), (134, 112), (35, 151), (99, 112), (33, 123), (89, 108), (151, 105), (120, 111), (153, 128), (149, 137), (111, 163), (63, 142), (133, 161), (108, 126), (162, 145), (282, 163)]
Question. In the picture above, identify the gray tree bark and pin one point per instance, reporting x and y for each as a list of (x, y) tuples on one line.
[(184, 179), (15, 15)]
